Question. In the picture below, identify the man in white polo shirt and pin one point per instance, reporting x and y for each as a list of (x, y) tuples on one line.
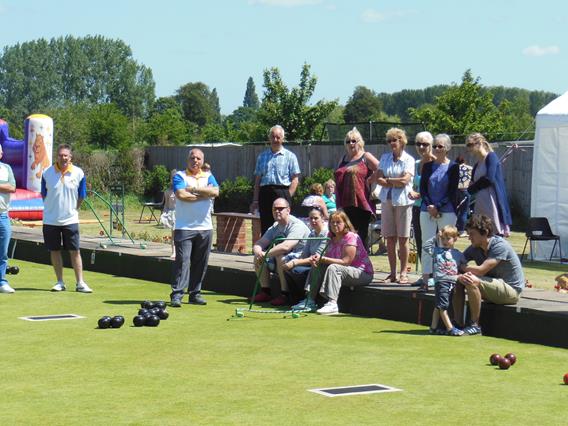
[(193, 231), (63, 189)]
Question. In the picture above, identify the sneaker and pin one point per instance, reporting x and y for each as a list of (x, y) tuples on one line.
[(83, 288), (197, 299), (330, 308), (281, 300), (175, 303), (305, 305), (262, 297), (455, 332), (5, 288), (60, 286), (472, 330)]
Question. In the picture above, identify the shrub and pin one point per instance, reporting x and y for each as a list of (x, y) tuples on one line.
[(156, 180), (320, 175), (235, 195)]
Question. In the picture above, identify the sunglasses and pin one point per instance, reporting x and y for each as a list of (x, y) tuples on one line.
[(438, 147), (351, 141), (393, 140), (422, 144), (279, 209), (470, 144)]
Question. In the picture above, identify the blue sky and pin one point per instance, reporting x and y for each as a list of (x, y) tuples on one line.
[(384, 45)]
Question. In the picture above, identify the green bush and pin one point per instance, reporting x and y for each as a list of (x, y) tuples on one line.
[(235, 195), (320, 175), (156, 180)]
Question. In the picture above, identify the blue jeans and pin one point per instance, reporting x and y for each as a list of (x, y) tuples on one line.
[(5, 235)]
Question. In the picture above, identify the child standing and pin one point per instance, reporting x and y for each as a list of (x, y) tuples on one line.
[(168, 216), (447, 264)]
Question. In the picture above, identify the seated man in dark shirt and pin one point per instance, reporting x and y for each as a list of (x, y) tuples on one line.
[(497, 275)]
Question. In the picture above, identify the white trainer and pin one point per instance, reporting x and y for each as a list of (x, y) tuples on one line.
[(5, 288), (59, 286), (83, 288), (330, 308)]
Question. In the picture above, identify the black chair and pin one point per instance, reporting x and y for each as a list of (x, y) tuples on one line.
[(156, 204), (539, 230)]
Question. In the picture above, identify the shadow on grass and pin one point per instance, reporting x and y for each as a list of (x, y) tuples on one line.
[(123, 302), (409, 332), (241, 301), (32, 289)]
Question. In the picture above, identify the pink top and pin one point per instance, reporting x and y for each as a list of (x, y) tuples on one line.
[(361, 259)]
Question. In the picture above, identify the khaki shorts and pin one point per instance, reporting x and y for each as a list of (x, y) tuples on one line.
[(395, 220), (498, 291)]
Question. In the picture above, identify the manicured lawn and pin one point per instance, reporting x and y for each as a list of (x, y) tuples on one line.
[(202, 366)]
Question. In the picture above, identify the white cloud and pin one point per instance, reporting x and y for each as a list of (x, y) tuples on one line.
[(536, 50), (285, 3), (371, 16)]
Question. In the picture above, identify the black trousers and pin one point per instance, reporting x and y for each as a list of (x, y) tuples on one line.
[(266, 196), (417, 230), (360, 219)]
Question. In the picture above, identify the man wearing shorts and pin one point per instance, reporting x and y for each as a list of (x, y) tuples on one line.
[(63, 189), (496, 277)]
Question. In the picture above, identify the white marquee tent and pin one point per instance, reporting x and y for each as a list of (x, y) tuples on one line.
[(549, 193)]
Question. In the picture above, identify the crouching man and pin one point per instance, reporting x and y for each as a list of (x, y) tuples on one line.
[(285, 226)]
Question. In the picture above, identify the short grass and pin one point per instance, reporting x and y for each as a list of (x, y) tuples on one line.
[(202, 366)]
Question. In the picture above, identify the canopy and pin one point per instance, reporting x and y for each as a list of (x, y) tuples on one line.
[(549, 193)]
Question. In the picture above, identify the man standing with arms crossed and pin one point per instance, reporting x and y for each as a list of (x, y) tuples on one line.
[(193, 231), (276, 176), (63, 189)]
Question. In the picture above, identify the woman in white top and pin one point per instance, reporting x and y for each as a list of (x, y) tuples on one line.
[(396, 169)]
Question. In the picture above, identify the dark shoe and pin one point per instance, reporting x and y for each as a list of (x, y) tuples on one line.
[(262, 297), (281, 300), (472, 330), (197, 299), (175, 303)]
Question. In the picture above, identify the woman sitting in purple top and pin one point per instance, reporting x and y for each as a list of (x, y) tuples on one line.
[(438, 188)]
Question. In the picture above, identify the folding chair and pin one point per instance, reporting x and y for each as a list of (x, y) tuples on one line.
[(157, 204), (539, 230)]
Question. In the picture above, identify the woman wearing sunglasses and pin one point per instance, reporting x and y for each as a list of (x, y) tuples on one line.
[(488, 185), (353, 188), (438, 188)]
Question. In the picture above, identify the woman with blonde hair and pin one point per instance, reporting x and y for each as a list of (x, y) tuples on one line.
[(488, 185), (329, 195), (353, 186), (346, 260), (394, 175)]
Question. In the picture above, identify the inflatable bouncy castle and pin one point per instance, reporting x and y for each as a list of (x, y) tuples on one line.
[(28, 159)]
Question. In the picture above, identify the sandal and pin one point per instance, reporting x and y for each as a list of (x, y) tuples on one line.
[(403, 279), (390, 278)]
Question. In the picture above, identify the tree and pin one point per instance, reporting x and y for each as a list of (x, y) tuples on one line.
[(251, 98), (198, 103), (37, 75), (290, 108), (216, 106), (108, 128), (167, 128), (363, 105), (461, 110)]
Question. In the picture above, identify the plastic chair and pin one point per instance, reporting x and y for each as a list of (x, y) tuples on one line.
[(157, 204), (539, 230)]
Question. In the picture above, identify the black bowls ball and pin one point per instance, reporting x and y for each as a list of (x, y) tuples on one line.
[(139, 320), (117, 321), (147, 304), (105, 322), (163, 314), (160, 304), (152, 321)]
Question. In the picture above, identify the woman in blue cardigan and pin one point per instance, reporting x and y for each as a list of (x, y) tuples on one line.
[(488, 184)]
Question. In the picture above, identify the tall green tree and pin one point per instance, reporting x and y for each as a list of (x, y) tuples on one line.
[(462, 109), (109, 128), (251, 98), (39, 74), (290, 108), (198, 103), (363, 105), (216, 106)]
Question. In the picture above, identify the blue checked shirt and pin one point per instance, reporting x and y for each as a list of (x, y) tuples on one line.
[(276, 168)]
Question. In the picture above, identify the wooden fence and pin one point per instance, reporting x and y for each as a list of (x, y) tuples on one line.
[(231, 160)]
